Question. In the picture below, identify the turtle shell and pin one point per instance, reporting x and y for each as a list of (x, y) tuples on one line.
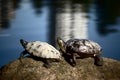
[(82, 46), (42, 49)]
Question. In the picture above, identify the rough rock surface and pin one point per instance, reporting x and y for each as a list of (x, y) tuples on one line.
[(32, 69)]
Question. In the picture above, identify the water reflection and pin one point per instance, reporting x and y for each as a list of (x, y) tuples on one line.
[(6, 13), (107, 13), (16, 4), (25, 25), (64, 18), (8, 8), (68, 19), (104, 26), (37, 4), (71, 20), (51, 27)]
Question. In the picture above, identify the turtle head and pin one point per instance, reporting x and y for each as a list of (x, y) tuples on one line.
[(23, 42), (61, 44)]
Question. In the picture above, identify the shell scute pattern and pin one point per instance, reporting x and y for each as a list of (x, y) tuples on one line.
[(82, 46), (42, 49)]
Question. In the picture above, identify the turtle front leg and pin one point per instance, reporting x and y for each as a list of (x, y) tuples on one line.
[(47, 63), (22, 54), (98, 60), (73, 60)]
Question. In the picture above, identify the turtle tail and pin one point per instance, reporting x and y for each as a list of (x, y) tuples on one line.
[(23, 42)]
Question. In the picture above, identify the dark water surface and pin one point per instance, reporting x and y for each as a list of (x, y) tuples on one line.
[(34, 20)]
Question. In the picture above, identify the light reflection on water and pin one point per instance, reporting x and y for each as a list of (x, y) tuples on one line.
[(31, 26)]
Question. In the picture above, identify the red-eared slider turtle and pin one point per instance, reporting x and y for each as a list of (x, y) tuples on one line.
[(82, 48), (40, 49)]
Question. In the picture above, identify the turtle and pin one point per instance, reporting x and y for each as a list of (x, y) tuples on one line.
[(83, 48), (41, 50)]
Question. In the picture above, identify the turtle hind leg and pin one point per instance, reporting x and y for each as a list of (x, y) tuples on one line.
[(98, 60), (73, 60), (47, 63)]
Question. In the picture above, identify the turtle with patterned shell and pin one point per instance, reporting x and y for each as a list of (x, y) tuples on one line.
[(40, 50), (82, 48)]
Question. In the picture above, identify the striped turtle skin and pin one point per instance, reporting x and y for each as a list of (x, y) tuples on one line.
[(40, 49), (82, 48)]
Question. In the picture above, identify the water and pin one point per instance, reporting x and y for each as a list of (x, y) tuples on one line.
[(39, 21), (104, 28), (26, 25)]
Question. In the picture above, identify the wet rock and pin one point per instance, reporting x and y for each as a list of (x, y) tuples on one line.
[(31, 69)]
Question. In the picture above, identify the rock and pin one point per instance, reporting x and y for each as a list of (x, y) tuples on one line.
[(32, 69)]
